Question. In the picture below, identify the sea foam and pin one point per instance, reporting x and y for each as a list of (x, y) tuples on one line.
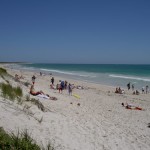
[(81, 74), (129, 77)]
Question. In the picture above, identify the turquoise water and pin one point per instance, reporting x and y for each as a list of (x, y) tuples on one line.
[(108, 74)]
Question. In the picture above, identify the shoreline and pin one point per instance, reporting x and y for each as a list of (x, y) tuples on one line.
[(99, 122), (108, 79), (38, 70)]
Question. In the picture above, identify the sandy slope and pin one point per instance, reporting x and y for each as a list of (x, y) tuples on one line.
[(100, 122)]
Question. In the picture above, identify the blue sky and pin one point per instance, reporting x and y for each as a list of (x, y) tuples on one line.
[(75, 31)]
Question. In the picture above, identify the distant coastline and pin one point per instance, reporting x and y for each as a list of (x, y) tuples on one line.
[(14, 63)]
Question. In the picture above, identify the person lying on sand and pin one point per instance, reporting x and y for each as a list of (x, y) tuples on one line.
[(79, 87), (33, 92), (40, 94), (130, 106)]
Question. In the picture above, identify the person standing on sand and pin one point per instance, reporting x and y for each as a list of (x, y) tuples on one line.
[(60, 88), (33, 79), (52, 80), (147, 89), (143, 90), (128, 86), (66, 84), (70, 89), (62, 85), (132, 87)]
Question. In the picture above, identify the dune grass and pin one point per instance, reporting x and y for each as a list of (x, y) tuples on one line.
[(18, 91), (5, 76), (36, 102), (3, 71), (21, 141), (10, 92)]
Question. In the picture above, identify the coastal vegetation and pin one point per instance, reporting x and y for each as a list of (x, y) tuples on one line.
[(16, 93), (21, 141), (36, 102), (10, 92), (3, 71), (5, 75)]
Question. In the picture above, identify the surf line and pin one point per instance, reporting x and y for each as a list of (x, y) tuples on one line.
[(129, 77)]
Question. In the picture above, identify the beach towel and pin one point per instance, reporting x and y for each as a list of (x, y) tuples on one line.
[(47, 97), (43, 96)]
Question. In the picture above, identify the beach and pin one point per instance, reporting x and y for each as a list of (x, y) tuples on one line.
[(92, 119)]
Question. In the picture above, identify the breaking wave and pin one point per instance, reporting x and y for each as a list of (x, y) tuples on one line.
[(70, 73), (129, 77)]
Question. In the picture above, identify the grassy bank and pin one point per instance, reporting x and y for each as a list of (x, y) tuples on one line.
[(21, 141)]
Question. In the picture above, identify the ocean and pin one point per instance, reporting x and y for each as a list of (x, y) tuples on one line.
[(106, 74)]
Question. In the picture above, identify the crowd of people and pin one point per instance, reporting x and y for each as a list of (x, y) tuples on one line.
[(62, 85), (144, 90)]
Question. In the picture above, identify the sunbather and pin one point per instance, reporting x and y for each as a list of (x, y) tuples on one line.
[(33, 92), (130, 106), (40, 94)]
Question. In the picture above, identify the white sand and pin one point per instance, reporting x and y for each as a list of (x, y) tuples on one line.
[(100, 122)]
